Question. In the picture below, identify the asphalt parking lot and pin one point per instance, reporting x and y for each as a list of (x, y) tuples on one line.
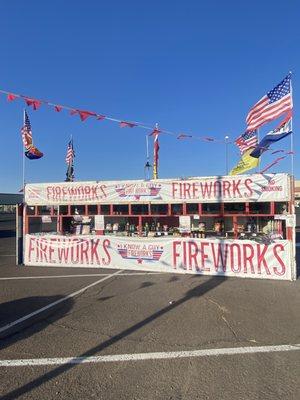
[(110, 334)]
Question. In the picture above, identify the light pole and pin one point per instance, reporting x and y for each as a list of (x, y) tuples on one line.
[(226, 153)]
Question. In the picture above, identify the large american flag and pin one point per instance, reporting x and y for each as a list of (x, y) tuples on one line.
[(26, 132), (246, 141), (272, 105), (70, 153)]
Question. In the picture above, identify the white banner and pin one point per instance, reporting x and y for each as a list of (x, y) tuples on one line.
[(257, 187), (241, 258)]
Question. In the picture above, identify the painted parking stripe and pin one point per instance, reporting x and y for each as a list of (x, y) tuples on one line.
[(149, 356), (69, 296), (12, 278)]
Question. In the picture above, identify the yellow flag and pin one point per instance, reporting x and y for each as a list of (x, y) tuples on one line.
[(246, 162)]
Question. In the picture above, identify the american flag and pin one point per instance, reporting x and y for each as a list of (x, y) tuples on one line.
[(26, 132), (246, 141), (70, 153), (272, 105)]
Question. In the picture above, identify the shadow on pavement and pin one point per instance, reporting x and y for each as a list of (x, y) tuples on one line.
[(196, 292), (14, 310)]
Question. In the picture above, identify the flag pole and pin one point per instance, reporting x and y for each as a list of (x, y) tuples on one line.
[(292, 135), (147, 165), (147, 147), (259, 160), (226, 153), (23, 153), (155, 166)]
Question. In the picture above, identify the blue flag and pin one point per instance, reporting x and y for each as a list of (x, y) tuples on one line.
[(283, 130)]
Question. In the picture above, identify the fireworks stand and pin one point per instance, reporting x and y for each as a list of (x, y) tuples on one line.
[(230, 225)]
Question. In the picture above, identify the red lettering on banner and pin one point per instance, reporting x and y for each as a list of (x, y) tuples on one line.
[(247, 183), (248, 258), (94, 251), (278, 271), (221, 259), (184, 263), (51, 250), (106, 245), (238, 249), (195, 190), (43, 248), (206, 189), (204, 256), (235, 189), (174, 189), (31, 247), (87, 191), (69, 193), (48, 191), (84, 248), (226, 189), (63, 252), (175, 253), (187, 188), (75, 257), (102, 189), (193, 252), (261, 259)]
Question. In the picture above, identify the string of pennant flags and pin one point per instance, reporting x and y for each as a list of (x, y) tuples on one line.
[(35, 104), (276, 103)]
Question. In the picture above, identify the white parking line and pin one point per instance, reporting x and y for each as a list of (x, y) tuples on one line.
[(149, 356), (69, 296), (12, 278)]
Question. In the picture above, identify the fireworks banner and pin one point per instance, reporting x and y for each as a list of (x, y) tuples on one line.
[(230, 189), (239, 258)]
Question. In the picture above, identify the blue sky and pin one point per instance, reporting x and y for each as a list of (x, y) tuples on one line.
[(194, 67)]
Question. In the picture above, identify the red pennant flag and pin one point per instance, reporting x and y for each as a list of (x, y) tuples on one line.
[(33, 102), (100, 117), (11, 97), (183, 136), (85, 114), (125, 124), (57, 108), (279, 159), (268, 166), (73, 112)]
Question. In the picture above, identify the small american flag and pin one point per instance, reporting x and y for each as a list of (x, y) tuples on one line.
[(246, 141), (26, 132), (272, 105), (70, 153)]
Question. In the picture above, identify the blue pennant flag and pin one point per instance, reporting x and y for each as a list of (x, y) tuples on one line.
[(283, 130)]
